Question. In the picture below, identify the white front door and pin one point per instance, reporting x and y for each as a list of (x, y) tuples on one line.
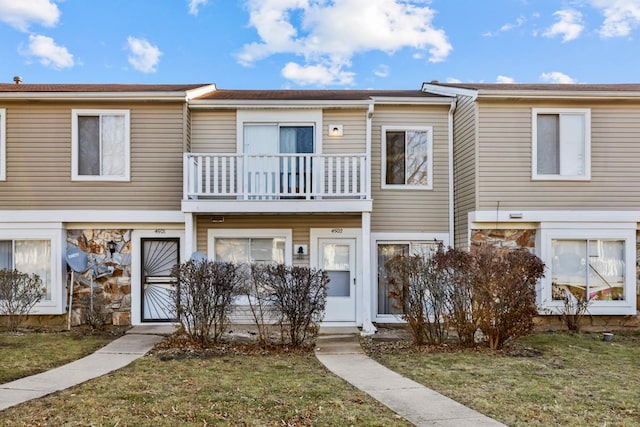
[(338, 258)]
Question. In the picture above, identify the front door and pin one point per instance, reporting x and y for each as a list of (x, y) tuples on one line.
[(159, 256), (338, 259)]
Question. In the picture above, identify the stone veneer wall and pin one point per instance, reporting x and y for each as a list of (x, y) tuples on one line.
[(111, 274), (509, 238)]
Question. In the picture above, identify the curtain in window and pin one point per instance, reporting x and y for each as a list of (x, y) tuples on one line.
[(34, 256), (113, 145), (572, 143), (250, 250)]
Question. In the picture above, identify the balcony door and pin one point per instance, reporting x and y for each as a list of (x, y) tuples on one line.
[(273, 168)]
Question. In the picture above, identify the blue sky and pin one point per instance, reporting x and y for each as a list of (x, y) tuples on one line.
[(291, 44)]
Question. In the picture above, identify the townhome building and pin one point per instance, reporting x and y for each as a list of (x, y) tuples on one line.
[(139, 177), (553, 168)]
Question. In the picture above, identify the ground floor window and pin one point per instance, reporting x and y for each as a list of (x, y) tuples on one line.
[(387, 251), (588, 269), (28, 256), (249, 250)]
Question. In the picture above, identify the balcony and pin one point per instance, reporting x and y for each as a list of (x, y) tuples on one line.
[(231, 182)]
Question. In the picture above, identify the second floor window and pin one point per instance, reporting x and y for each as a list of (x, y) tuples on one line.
[(407, 158), (561, 144), (100, 149)]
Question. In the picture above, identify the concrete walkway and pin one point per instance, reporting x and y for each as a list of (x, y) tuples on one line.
[(343, 356), (115, 355)]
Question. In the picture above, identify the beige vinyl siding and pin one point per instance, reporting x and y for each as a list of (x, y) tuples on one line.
[(354, 124), (39, 159), (299, 224), (213, 131), (397, 210), (464, 131), (505, 160)]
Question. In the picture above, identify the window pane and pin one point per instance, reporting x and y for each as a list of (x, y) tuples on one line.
[(569, 269), (34, 256), (417, 158), (6, 254), (232, 250), (395, 172), (296, 139), (336, 256), (548, 149), (425, 249), (339, 284), (606, 270), (264, 251), (572, 145), (261, 139), (386, 252), (113, 145), (250, 250), (88, 145)]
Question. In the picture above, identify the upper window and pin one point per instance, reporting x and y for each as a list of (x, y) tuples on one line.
[(561, 144), (100, 145), (3, 146), (407, 160)]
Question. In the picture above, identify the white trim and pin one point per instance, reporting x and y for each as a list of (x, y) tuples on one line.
[(75, 113), (383, 167), (589, 232), (436, 89), (136, 267), (570, 216), (54, 233), (240, 233), (3, 144), (94, 216), (277, 206), (452, 110), (586, 113), (274, 105), (296, 117), (377, 238), (199, 91), (315, 234)]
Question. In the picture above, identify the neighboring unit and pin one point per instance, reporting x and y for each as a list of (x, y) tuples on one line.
[(553, 168)]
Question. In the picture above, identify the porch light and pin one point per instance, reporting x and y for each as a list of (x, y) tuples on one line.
[(335, 130), (112, 246)]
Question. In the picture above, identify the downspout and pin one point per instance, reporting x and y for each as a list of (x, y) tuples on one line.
[(452, 236), (367, 300)]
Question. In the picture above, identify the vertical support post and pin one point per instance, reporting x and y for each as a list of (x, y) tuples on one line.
[(368, 283), (189, 236)]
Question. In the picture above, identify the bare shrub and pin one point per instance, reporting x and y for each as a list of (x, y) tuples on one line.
[(95, 312), (573, 310), (298, 296), (420, 289), (505, 292), (19, 292), (259, 293), (203, 297)]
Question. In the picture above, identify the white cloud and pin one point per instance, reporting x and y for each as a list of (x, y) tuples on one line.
[(144, 56), (569, 25), (48, 52), (520, 21), (556, 77), (505, 79), (331, 33), (321, 75), (382, 71), (620, 16), (453, 80), (21, 13), (194, 5)]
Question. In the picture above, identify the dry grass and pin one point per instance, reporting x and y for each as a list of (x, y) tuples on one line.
[(28, 353), (546, 379), (207, 389)]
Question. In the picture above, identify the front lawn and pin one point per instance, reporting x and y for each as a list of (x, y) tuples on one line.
[(209, 389), (546, 379), (28, 353)]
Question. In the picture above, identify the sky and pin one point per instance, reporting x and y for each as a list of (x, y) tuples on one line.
[(320, 44)]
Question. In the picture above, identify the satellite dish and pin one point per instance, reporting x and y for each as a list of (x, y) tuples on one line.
[(198, 256), (76, 259)]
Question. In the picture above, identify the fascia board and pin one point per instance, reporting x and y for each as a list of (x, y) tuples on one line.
[(231, 104)]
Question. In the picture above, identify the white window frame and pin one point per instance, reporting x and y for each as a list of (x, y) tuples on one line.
[(586, 113), (395, 238), (383, 158), (75, 114), (3, 144), (548, 233), (56, 304)]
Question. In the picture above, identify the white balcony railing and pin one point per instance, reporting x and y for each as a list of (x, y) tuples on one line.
[(275, 176)]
